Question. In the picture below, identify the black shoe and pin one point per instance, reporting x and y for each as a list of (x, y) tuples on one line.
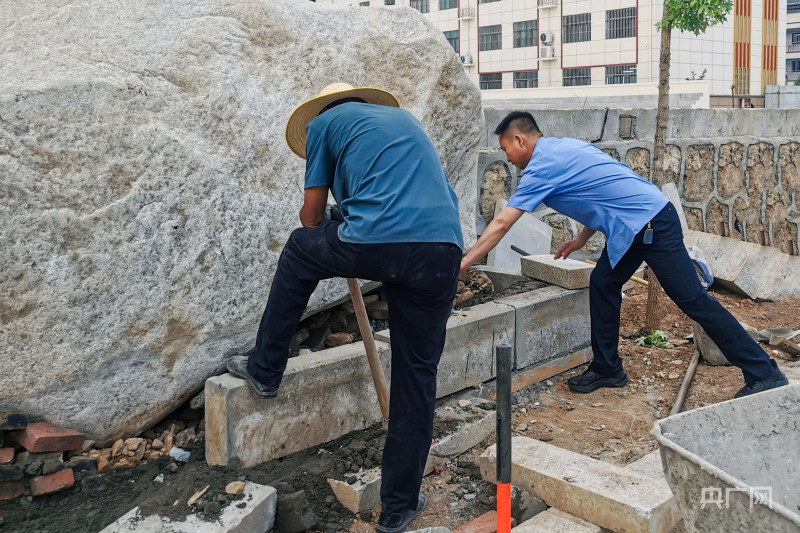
[(777, 379), (590, 381), (398, 522), (237, 365)]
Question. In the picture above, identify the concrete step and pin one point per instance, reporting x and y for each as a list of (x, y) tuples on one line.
[(607, 495), (256, 516), (555, 521)]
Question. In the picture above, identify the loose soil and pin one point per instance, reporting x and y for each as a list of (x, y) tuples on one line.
[(611, 425)]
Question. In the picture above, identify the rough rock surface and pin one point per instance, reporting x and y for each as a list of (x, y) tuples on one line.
[(146, 189)]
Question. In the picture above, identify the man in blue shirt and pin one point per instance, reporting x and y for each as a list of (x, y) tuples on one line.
[(401, 227), (639, 223)]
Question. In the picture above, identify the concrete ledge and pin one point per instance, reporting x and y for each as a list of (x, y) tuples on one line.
[(555, 521), (256, 516), (610, 496), (550, 322), (324, 395), (567, 273), (472, 335)]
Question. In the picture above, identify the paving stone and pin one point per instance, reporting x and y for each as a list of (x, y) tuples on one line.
[(256, 516), (468, 356), (567, 273), (11, 489), (45, 437), (51, 483), (324, 395), (555, 521), (364, 494), (550, 322), (465, 437), (608, 495), (649, 465), (709, 350), (6, 456), (528, 233)]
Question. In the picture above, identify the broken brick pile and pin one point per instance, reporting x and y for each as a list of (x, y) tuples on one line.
[(471, 284)]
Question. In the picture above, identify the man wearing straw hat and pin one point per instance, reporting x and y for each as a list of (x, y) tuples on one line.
[(401, 227)]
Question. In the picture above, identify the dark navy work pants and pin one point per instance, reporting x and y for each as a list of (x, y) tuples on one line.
[(670, 262), (420, 281)]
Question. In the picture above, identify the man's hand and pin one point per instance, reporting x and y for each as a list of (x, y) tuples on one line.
[(575, 244)]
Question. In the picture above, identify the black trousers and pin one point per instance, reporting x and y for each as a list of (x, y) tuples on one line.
[(420, 281), (670, 262)]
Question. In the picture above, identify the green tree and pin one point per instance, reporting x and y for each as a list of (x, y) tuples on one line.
[(695, 16), (797, 80)]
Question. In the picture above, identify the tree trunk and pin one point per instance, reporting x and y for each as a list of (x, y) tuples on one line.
[(652, 319), (653, 310)]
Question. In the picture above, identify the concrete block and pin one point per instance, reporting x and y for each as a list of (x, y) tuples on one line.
[(468, 356), (502, 278), (758, 272), (467, 435), (364, 494), (567, 273), (610, 496), (709, 350), (324, 395), (649, 465), (257, 516), (550, 322), (555, 521), (528, 233)]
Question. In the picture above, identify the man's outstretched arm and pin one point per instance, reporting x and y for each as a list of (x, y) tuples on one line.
[(313, 211), (575, 244), (491, 235)]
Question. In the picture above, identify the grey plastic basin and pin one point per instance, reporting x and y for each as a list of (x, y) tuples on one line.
[(735, 466)]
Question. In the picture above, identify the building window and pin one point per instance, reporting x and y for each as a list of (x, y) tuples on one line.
[(490, 37), (423, 6), (577, 28), (492, 81), (525, 34), (487, 1), (388, 2), (526, 80), (620, 74), (447, 4), (576, 76), (796, 38), (621, 23), (452, 38), (364, 4), (796, 66)]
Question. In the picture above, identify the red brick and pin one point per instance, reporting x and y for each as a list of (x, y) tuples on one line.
[(52, 482), (45, 437), (485, 523), (6, 456), (11, 489)]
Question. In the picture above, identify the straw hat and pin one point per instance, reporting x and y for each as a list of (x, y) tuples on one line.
[(307, 111)]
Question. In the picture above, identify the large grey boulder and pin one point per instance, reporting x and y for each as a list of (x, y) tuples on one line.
[(146, 189)]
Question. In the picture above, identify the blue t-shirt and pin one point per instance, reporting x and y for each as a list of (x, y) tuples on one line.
[(384, 173), (577, 179)]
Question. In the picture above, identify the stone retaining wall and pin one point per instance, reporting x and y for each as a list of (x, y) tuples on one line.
[(727, 165)]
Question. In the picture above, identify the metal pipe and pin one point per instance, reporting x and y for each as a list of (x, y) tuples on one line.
[(503, 428)]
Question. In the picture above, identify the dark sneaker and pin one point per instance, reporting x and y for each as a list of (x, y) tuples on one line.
[(237, 365), (590, 381), (397, 523), (777, 379)]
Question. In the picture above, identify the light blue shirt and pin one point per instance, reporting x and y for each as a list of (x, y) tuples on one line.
[(577, 179), (384, 173)]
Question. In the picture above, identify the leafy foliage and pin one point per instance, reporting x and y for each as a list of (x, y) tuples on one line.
[(695, 16), (656, 339)]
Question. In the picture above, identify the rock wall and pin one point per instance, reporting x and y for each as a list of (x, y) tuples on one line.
[(749, 172), (146, 189)]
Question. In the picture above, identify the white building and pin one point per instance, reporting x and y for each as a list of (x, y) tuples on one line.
[(522, 49), (793, 41)]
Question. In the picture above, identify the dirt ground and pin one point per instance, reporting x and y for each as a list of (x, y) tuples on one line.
[(611, 425)]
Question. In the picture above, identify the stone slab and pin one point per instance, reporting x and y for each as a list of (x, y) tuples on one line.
[(649, 465), (758, 272), (257, 516), (709, 350), (555, 521), (567, 273), (608, 495), (550, 322), (502, 278), (324, 395), (528, 233), (364, 494), (472, 335)]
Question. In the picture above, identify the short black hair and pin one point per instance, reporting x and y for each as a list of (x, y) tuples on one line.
[(340, 102), (519, 120)]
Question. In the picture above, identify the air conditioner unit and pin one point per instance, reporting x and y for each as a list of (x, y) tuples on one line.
[(466, 13), (547, 38), (547, 52), (548, 3), (466, 59)]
